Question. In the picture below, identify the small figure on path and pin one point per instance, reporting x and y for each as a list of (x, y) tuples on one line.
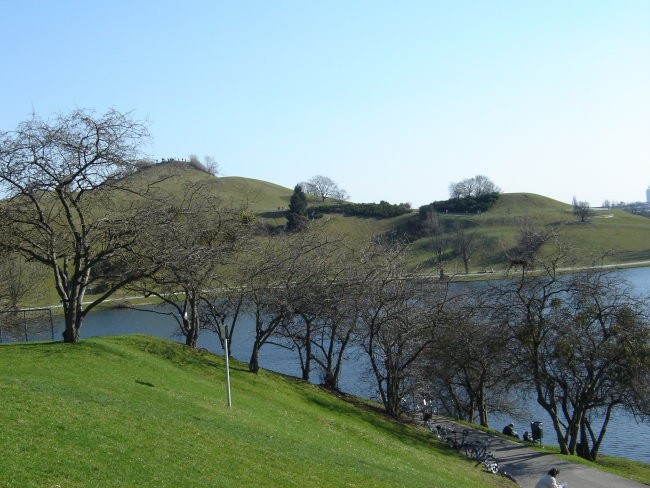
[(548, 480)]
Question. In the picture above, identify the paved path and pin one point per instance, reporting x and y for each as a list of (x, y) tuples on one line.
[(528, 465)]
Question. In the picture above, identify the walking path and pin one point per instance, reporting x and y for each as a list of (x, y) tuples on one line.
[(528, 465)]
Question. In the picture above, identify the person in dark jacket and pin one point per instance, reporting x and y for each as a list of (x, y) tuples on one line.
[(509, 430)]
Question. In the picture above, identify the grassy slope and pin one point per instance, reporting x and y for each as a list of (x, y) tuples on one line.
[(140, 411), (625, 237)]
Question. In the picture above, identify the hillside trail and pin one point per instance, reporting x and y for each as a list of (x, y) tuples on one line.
[(528, 465)]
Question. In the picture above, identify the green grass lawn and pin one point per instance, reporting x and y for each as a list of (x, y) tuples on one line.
[(139, 411)]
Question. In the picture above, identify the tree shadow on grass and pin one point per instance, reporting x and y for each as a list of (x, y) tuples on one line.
[(403, 430)]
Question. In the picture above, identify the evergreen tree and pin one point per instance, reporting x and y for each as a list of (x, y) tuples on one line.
[(297, 213)]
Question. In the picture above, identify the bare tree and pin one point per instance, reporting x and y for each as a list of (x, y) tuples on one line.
[(484, 186), (18, 280), (464, 245), (472, 187), (309, 299), (529, 245), (269, 273), (323, 320), (430, 224), (197, 237), (459, 189), (467, 370), (330, 343), (67, 206), (439, 245), (581, 210), (209, 165), (324, 187), (601, 357), (397, 317), (219, 312)]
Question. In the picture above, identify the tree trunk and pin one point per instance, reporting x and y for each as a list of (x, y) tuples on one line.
[(329, 381), (192, 337), (597, 441), (71, 332), (582, 448), (550, 408), (72, 311), (575, 431), (394, 402), (307, 364), (190, 327), (482, 410), (333, 364), (254, 363)]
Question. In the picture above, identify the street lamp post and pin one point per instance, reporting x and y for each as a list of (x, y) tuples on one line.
[(226, 352)]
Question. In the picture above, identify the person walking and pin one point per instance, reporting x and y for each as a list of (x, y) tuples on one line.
[(549, 480)]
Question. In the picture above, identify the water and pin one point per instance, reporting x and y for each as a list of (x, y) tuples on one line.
[(624, 438)]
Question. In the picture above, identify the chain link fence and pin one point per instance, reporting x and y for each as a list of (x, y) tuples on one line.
[(26, 324)]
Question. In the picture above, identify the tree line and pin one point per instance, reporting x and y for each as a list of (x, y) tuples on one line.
[(580, 344)]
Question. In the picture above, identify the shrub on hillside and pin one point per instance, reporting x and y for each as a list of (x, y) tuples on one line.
[(381, 210), (463, 205)]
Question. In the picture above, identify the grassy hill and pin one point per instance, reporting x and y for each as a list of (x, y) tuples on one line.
[(267, 200), (610, 237), (139, 411), (621, 236)]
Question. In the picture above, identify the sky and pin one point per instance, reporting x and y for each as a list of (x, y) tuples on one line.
[(393, 100)]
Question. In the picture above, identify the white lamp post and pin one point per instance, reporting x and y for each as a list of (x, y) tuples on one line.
[(226, 352)]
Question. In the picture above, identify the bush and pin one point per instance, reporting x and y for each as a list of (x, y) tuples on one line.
[(381, 210), (463, 205)]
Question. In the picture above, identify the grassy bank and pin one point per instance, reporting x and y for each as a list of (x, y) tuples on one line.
[(140, 411)]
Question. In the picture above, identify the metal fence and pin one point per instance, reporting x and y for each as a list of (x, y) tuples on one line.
[(26, 324)]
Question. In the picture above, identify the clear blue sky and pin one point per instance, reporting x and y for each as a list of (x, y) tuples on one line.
[(392, 100)]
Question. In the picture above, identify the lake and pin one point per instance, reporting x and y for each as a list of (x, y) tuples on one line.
[(624, 438)]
